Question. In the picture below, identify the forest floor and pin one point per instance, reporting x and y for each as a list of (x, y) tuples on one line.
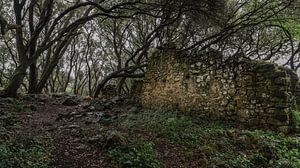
[(40, 132)]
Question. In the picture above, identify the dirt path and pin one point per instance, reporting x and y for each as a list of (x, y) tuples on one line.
[(69, 128)]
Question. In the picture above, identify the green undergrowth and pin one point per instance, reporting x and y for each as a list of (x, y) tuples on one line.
[(19, 150), (136, 154), (124, 149), (212, 143), (26, 152), (296, 119)]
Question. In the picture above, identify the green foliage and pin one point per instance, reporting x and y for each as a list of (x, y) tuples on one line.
[(7, 119), (294, 27), (26, 153), (177, 128), (135, 155), (296, 119), (16, 150), (289, 20), (218, 144)]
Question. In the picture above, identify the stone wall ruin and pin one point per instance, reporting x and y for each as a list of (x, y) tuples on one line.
[(253, 93)]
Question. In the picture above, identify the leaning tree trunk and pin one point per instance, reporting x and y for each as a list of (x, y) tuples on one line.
[(119, 73), (120, 85), (16, 81), (58, 53), (101, 86), (45, 76), (33, 75)]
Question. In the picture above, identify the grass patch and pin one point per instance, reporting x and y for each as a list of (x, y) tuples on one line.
[(215, 144)]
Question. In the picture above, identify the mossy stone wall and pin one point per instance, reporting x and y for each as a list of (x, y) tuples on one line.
[(253, 93)]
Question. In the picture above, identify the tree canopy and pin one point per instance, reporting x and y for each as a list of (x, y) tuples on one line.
[(80, 46)]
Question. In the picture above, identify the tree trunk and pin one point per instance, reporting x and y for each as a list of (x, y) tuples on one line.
[(67, 80), (117, 74), (120, 85), (45, 76), (101, 86), (16, 81), (62, 47), (33, 75)]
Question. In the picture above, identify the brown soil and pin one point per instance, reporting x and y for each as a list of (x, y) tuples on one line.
[(67, 126)]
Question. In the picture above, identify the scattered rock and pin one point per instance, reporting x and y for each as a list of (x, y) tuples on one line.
[(99, 114), (50, 129), (57, 95), (91, 108), (115, 138), (66, 153), (231, 133), (133, 109), (87, 122), (81, 147), (107, 118), (73, 126), (109, 139), (5, 101), (284, 129), (95, 104), (75, 132), (123, 115), (36, 97), (48, 124), (108, 105), (32, 107), (71, 101), (74, 113), (91, 120), (87, 98), (95, 139), (78, 116), (61, 116), (90, 113), (76, 140), (116, 99)]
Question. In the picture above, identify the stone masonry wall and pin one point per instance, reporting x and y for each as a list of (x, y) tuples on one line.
[(252, 93)]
